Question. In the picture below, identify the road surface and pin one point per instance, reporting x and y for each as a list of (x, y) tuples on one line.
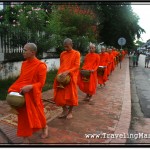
[(142, 81), (140, 95)]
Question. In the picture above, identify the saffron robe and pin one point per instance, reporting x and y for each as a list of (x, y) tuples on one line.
[(111, 63), (104, 59), (69, 61), (115, 54), (123, 54), (91, 62), (31, 116)]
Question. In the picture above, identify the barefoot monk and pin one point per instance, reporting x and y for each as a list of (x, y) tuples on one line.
[(65, 83), (31, 116), (88, 83)]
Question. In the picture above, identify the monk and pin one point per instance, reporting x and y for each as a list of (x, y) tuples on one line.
[(115, 54), (91, 63), (31, 116), (67, 97), (123, 54), (104, 59), (111, 61)]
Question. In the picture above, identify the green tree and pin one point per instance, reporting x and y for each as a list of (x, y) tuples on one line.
[(118, 20), (47, 25), (80, 25)]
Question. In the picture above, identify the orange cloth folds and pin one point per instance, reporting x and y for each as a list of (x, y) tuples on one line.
[(91, 62), (104, 59), (31, 116), (69, 61)]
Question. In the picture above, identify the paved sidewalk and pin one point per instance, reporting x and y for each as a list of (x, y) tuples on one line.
[(111, 114)]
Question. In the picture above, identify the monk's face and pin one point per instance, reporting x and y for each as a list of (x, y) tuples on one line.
[(27, 52), (92, 49), (110, 51), (103, 50), (68, 46)]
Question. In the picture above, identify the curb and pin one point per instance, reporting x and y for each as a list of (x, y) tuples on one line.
[(125, 116)]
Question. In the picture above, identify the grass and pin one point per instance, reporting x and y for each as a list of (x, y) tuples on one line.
[(49, 80), (5, 84)]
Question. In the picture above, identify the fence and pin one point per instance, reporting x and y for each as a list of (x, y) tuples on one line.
[(6, 45)]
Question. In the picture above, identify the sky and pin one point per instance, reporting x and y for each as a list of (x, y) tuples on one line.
[(143, 11)]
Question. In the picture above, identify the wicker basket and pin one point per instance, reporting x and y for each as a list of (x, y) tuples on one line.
[(101, 70), (63, 81), (85, 75)]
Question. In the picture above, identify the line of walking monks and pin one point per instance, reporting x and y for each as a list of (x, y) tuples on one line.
[(95, 70)]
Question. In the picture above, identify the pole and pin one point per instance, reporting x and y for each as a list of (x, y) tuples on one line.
[(120, 58)]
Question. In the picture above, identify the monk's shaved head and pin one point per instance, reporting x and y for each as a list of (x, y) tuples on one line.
[(68, 44), (92, 45), (29, 50), (32, 46), (68, 41)]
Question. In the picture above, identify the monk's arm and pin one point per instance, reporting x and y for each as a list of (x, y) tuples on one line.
[(42, 71), (76, 64), (98, 62), (94, 67)]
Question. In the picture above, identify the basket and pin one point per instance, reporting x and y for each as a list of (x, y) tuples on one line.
[(63, 81), (101, 70), (85, 75)]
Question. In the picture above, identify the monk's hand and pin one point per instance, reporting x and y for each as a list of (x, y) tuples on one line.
[(26, 89)]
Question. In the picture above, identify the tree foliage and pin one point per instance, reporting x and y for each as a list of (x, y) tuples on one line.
[(47, 26), (118, 20), (48, 23)]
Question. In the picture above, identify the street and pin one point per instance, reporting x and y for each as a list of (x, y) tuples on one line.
[(140, 95), (142, 81)]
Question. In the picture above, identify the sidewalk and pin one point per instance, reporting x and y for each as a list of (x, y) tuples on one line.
[(110, 115)]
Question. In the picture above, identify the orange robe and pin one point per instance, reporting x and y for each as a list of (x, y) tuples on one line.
[(31, 116), (104, 59), (91, 62), (111, 63), (115, 53), (69, 61), (123, 54)]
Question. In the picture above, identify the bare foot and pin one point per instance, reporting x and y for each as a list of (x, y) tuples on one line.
[(86, 98), (45, 133), (63, 114), (69, 116)]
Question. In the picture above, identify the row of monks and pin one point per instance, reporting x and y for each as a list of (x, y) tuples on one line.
[(94, 70)]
